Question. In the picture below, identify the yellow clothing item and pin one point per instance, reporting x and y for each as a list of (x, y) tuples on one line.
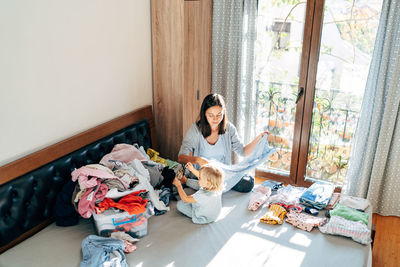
[(275, 215), (154, 156)]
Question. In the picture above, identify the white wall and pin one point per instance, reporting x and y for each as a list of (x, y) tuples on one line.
[(67, 66)]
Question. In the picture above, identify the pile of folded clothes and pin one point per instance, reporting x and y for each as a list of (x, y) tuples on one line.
[(345, 215)]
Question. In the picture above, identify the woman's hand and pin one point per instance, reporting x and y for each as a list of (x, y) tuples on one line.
[(252, 145), (201, 161), (261, 135)]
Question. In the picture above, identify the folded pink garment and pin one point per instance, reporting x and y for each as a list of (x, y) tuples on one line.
[(122, 152), (263, 189), (259, 197), (304, 221)]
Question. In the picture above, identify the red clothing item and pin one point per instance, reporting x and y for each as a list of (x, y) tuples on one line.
[(131, 203)]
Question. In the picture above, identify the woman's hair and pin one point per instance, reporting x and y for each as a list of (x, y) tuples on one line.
[(210, 101), (213, 175)]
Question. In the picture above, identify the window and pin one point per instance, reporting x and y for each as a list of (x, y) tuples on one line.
[(316, 52)]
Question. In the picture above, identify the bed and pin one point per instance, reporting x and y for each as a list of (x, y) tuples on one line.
[(29, 236)]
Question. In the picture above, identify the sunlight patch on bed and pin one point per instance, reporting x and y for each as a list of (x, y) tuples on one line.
[(258, 227), (225, 212), (265, 253), (300, 239)]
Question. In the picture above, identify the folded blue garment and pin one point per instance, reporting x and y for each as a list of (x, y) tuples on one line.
[(317, 195)]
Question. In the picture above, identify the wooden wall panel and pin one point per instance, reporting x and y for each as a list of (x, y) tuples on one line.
[(197, 73), (192, 68), (205, 50), (168, 53), (181, 40)]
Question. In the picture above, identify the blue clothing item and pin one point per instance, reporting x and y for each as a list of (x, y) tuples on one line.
[(317, 195), (97, 250), (215, 152), (165, 195), (233, 173), (185, 208), (231, 142), (206, 209), (193, 183)]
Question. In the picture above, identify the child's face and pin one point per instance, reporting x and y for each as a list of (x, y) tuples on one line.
[(203, 182)]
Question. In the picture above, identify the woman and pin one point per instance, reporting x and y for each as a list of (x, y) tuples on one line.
[(213, 137)]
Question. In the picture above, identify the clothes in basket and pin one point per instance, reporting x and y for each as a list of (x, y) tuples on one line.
[(113, 220)]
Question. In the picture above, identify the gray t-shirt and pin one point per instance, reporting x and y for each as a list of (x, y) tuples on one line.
[(208, 206), (230, 142)]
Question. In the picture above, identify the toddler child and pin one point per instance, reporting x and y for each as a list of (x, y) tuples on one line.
[(205, 205)]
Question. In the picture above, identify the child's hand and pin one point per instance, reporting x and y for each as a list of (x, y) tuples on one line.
[(176, 182), (189, 166)]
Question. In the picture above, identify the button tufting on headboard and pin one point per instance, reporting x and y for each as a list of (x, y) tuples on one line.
[(28, 200)]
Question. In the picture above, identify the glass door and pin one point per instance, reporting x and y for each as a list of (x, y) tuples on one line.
[(281, 64), (344, 49), (312, 62)]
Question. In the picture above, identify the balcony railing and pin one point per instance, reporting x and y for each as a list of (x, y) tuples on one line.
[(334, 121)]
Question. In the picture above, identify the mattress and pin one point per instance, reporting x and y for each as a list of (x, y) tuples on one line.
[(237, 238)]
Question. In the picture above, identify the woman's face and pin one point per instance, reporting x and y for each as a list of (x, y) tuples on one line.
[(214, 116)]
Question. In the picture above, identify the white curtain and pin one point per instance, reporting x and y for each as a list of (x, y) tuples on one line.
[(233, 37), (374, 169)]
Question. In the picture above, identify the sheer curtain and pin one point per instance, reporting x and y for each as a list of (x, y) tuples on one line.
[(233, 37), (374, 169)]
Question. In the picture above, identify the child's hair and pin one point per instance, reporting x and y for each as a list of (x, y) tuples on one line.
[(214, 176)]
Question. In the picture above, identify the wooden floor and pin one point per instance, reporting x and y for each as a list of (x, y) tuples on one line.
[(386, 246)]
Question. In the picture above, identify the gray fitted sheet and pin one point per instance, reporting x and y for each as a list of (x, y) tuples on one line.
[(237, 238)]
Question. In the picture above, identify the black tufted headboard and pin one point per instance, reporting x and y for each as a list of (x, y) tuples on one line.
[(27, 201)]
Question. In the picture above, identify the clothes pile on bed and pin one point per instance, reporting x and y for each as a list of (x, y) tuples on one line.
[(345, 215), (121, 192)]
